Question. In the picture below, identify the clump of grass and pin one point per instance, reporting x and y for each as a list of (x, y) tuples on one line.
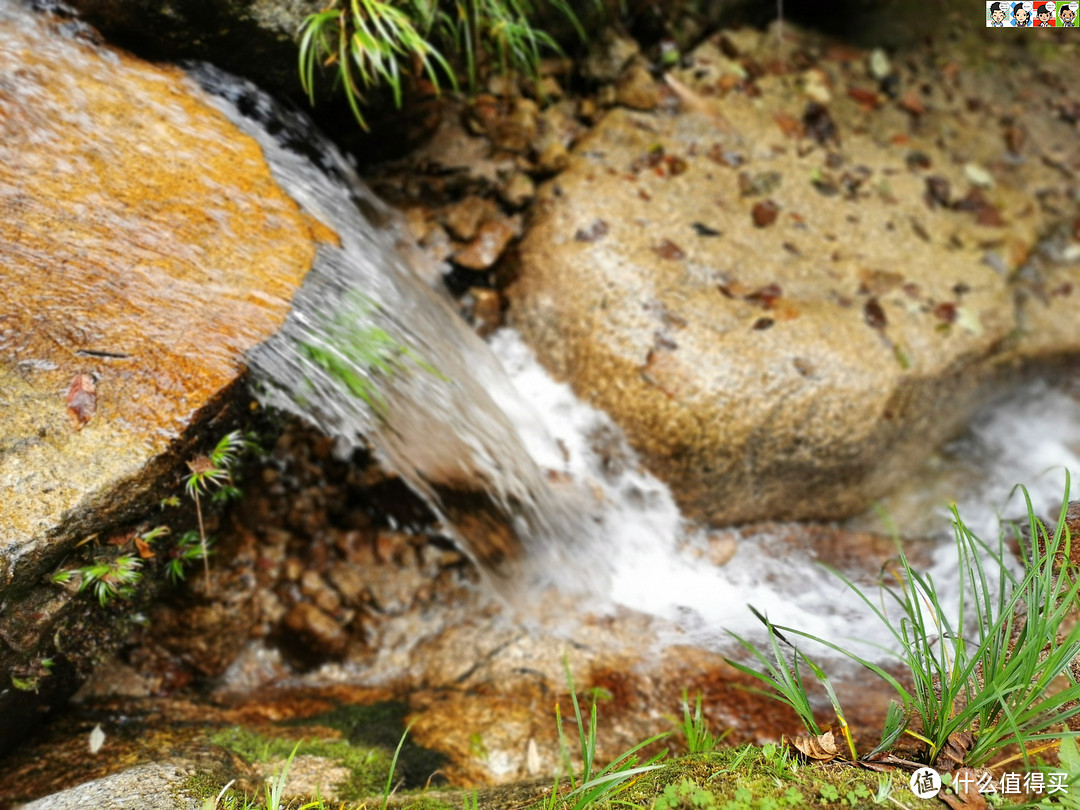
[(360, 355), (986, 671), (372, 43), (210, 474), (115, 574), (275, 787), (595, 786), (108, 577), (695, 728)]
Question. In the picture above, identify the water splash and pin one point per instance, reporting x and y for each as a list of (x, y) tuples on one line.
[(1031, 437), (371, 353)]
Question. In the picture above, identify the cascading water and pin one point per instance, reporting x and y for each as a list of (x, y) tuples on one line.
[(372, 351)]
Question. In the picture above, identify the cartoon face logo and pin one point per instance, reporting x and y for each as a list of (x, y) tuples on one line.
[(998, 13), (1045, 12), (1067, 13), (1021, 14)]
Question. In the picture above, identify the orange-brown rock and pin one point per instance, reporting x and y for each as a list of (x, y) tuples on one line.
[(145, 247)]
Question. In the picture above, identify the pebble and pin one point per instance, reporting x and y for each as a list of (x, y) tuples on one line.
[(765, 213), (518, 191), (463, 218), (486, 310), (816, 86), (636, 88), (878, 64), (606, 62), (315, 588), (488, 245), (553, 159), (349, 581), (978, 176), (518, 130), (294, 567)]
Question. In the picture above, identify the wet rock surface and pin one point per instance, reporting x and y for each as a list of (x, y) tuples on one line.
[(307, 556), (146, 247), (337, 611), (793, 278)]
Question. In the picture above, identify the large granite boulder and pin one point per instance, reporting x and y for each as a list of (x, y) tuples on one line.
[(791, 281), (145, 247)]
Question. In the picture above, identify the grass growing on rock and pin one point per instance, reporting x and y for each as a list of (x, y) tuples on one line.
[(368, 767), (750, 777), (979, 687), (379, 44), (756, 778)]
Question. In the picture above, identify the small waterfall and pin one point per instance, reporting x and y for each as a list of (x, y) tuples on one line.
[(372, 352), (538, 487)]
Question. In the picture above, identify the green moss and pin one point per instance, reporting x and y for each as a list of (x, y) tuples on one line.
[(380, 725), (205, 785), (748, 778), (368, 765), (426, 803), (200, 786)]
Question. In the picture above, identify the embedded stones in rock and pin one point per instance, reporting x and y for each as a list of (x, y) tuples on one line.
[(798, 370), (156, 249)]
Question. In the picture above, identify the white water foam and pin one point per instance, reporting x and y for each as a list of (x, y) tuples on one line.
[(1029, 438)]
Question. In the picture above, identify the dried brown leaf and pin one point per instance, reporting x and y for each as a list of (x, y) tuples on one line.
[(81, 400), (821, 748), (951, 755), (869, 99), (121, 538), (788, 125)]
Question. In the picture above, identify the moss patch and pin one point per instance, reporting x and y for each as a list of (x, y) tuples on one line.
[(752, 778), (380, 725), (372, 734), (203, 785), (746, 778), (368, 766)]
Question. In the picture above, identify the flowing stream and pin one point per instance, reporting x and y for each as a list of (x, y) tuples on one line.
[(371, 353), (541, 489)]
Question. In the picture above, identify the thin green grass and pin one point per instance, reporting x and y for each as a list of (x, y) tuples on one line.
[(367, 42), (595, 786), (275, 787), (986, 670), (372, 43), (695, 729), (388, 790)]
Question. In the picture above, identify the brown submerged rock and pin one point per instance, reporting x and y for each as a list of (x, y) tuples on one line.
[(803, 369), (145, 248)]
